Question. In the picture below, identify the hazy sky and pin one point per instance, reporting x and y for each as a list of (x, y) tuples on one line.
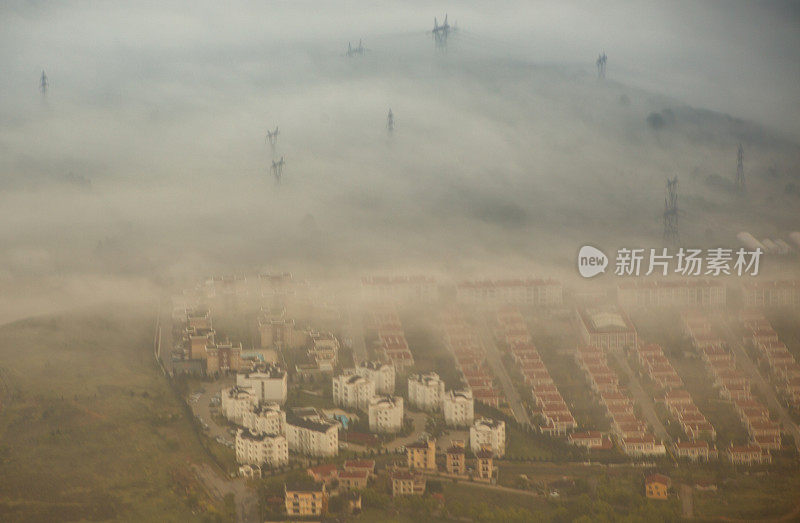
[(146, 162)]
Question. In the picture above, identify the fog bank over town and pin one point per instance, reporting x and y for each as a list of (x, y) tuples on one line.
[(146, 165)]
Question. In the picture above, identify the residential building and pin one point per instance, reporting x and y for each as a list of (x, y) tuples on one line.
[(591, 440), (269, 450), (656, 486), (380, 373), (386, 414), (685, 293), (484, 464), (538, 292), (693, 450), (455, 459), (266, 418), (399, 289), (312, 434), (458, 408), (277, 331), (305, 502), (236, 402), (488, 433), (407, 483), (353, 391), (266, 381), (422, 455), (425, 391), (353, 479), (748, 455), (610, 330)]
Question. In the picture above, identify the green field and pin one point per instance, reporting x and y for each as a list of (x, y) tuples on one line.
[(89, 428)]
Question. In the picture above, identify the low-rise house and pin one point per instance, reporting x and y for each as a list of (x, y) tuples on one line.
[(748, 455), (455, 460), (353, 479), (407, 483), (591, 440), (305, 501), (484, 464), (421, 455), (656, 486), (693, 450)]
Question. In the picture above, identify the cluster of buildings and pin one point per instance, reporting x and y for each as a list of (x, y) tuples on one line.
[(719, 361), (783, 367), (512, 329), (321, 356), (633, 434), (779, 293), (661, 372), (427, 392), (267, 433), (277, 331), (421, 455), (733, 386), (369, 387), (399, 289), (199, 351), (489, 293), (351, 475), (695, 426), (392, 345), (683, 293), (463, 343)]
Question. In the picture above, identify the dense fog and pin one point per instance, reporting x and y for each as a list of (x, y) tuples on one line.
[(145, 164)]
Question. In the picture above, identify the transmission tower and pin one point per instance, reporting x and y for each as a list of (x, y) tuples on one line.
[(277, 169), (671, 211), (355, 51), (601, 65), (740, 185), (272, 138), (390, 122), (440, 33), (43, 84)]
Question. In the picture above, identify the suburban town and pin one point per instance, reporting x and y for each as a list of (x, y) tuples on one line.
[(406, 383)]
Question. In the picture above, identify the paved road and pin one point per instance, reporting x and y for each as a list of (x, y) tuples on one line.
[(766, 389), (202, 407), (642, 399), (686, 494), (495, 360)]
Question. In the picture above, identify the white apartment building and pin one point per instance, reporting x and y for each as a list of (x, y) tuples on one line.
[(267, 382), (312, 435), (386, 414), (271, 450), (267, 418), (490, 434), (458, 408), (380, 373), (236, 402), (352, 391), (425, 391)]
